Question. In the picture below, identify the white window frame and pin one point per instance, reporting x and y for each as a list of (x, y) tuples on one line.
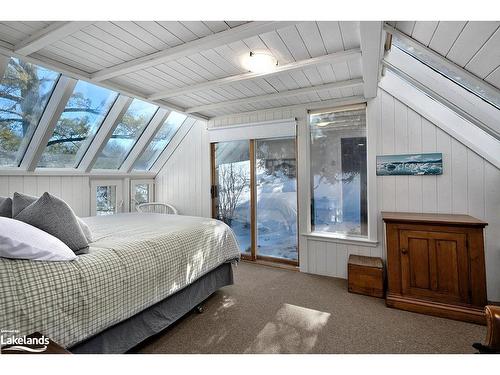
[(371, 237), (119, 194), (133, 184)]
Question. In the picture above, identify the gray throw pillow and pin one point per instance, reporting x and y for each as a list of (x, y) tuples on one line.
[(55, 217), (6, 207), (21, 201)]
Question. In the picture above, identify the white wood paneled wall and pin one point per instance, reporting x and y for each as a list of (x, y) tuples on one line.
[(184, 180), (469, 184), (75, 190)]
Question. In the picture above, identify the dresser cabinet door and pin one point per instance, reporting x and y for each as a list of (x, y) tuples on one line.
[(434, 265)]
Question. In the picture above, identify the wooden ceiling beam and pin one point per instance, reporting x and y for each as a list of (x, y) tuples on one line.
[(80, 74), (48, 35), (297, 65), (372, 46), (202, 44), (278, 95)]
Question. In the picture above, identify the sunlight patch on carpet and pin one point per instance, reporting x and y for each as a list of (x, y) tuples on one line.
[(294, 329)]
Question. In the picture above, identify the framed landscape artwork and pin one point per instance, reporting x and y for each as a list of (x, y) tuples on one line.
[(410, 164)]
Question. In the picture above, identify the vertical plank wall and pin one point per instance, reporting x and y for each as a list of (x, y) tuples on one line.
[(469, 183), (184, 180), (75, 190)]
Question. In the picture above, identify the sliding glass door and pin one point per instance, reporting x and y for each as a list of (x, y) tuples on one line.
[(254, 191), (276, 186)]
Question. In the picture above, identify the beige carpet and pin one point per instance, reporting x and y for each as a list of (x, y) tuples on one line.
[(271, 310)]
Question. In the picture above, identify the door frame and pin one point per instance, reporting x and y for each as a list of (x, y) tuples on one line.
[(254, 256)]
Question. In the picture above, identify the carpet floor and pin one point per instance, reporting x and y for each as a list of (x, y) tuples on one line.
[(271, 310)]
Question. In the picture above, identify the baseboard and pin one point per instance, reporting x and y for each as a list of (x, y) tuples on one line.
[(443, 310)]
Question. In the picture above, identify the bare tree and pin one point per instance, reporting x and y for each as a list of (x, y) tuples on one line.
[(232, 182)]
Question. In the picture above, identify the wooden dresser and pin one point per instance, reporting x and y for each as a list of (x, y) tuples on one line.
[(435, 265)]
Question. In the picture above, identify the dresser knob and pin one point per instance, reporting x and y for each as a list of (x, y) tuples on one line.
[(404, 251)]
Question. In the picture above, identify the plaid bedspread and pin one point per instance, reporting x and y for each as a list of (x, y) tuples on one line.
[(135, 261)]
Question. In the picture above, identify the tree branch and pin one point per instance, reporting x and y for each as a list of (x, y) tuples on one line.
[(87, 110), (79, 139)]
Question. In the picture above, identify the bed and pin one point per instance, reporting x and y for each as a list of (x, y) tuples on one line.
[(142, 272)]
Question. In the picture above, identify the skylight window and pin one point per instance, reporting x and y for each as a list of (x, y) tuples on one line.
[(448, 70), (160, 141), (126, 134), (84, 113), (25, 90)]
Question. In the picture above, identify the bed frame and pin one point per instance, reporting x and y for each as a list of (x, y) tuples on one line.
[(125, 335)]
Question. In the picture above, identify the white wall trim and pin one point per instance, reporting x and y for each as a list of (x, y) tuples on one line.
[(341, 240), (255, 130), (278, 95), (372, 116), (102, 136), (65, 172), (306, 106), (468, 105), (151, 129), (470, 135), (177, 139), (451, 66)]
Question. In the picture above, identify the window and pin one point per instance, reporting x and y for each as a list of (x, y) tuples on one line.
[(84, 113), (25, 90), (449, 71), (338, 172), (160, 141), (106, 200), (141, 191), (106, 197), (126, 134)]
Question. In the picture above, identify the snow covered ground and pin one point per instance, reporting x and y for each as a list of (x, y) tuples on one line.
[(276, 216)]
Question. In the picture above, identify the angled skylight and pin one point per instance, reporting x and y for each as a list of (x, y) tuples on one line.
[(160, 141), (448, 70), (126, 134), (84, 113), (25, 90)]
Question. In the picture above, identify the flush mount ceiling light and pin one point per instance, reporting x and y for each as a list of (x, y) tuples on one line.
[(260, 62)]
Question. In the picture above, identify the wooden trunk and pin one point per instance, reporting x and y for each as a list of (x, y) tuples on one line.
[(435, 265), (365, 275)]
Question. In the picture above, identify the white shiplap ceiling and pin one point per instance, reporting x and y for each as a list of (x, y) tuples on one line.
[(202, 60)]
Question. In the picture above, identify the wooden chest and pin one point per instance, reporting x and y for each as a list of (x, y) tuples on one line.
[(365, 275), (435, 264)]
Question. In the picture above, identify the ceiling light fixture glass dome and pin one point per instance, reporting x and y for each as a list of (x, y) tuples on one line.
[(261, 62)]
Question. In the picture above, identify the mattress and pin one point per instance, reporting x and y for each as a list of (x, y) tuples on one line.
[(135, 261)]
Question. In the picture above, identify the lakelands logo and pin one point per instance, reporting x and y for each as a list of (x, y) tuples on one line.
[(14, 342)]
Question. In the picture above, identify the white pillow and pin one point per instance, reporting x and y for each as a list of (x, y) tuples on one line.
[(19, 240)]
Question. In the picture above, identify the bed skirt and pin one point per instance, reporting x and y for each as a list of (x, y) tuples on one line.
[(127, 334)]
